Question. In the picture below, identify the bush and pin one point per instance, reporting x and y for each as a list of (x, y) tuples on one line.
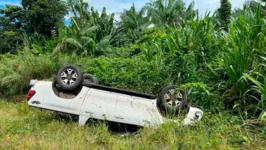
[(17, 70), (127, 73)]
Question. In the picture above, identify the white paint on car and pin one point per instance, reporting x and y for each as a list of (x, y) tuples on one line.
[(105, 105)]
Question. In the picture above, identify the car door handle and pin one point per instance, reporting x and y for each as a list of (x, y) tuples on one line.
[(119, 117), (36, 102), (87, 112)]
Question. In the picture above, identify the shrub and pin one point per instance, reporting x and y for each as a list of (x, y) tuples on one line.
[(127, 73), (17, 70)]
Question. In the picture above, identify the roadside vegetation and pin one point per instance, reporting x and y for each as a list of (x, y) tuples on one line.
[(28, 128), (219, 58)]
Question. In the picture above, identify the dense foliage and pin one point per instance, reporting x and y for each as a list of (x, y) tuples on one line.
[(219, 59)]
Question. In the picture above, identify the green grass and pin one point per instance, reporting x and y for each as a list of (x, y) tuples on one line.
[(22, 127)]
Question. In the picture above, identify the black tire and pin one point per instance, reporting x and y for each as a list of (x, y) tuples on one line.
[(170, 104), (90, 79), (69, 78)]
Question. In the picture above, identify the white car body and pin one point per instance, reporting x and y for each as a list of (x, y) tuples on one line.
[(104, 105)]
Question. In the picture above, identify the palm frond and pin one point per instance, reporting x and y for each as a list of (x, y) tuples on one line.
[(73, 42)]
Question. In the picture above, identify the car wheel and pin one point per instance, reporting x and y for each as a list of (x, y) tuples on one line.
[(88, 78), (69, 77), (172, 101)]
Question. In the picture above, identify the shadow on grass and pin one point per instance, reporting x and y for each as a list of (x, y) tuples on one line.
[(114, 127)]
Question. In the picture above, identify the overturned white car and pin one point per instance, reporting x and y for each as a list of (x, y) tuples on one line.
[(80, 94)]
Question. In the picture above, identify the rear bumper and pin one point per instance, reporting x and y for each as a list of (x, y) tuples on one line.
[(33, 82)]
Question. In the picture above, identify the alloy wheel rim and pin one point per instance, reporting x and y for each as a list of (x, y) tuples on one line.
[(173, 97), (69, 77)]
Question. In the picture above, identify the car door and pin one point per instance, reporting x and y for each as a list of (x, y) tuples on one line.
[(99, 104), (53, 102), (124, 111), (130, 110), (136, 110), (75, 104)]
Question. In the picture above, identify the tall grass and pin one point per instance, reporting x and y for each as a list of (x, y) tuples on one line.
[(244, 58), (17, 70), (199, 52), (27, 128)]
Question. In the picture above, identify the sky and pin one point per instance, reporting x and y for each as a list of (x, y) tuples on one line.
[(119, 5)]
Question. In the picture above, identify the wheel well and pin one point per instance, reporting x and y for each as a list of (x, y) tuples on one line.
[(62, 94)]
